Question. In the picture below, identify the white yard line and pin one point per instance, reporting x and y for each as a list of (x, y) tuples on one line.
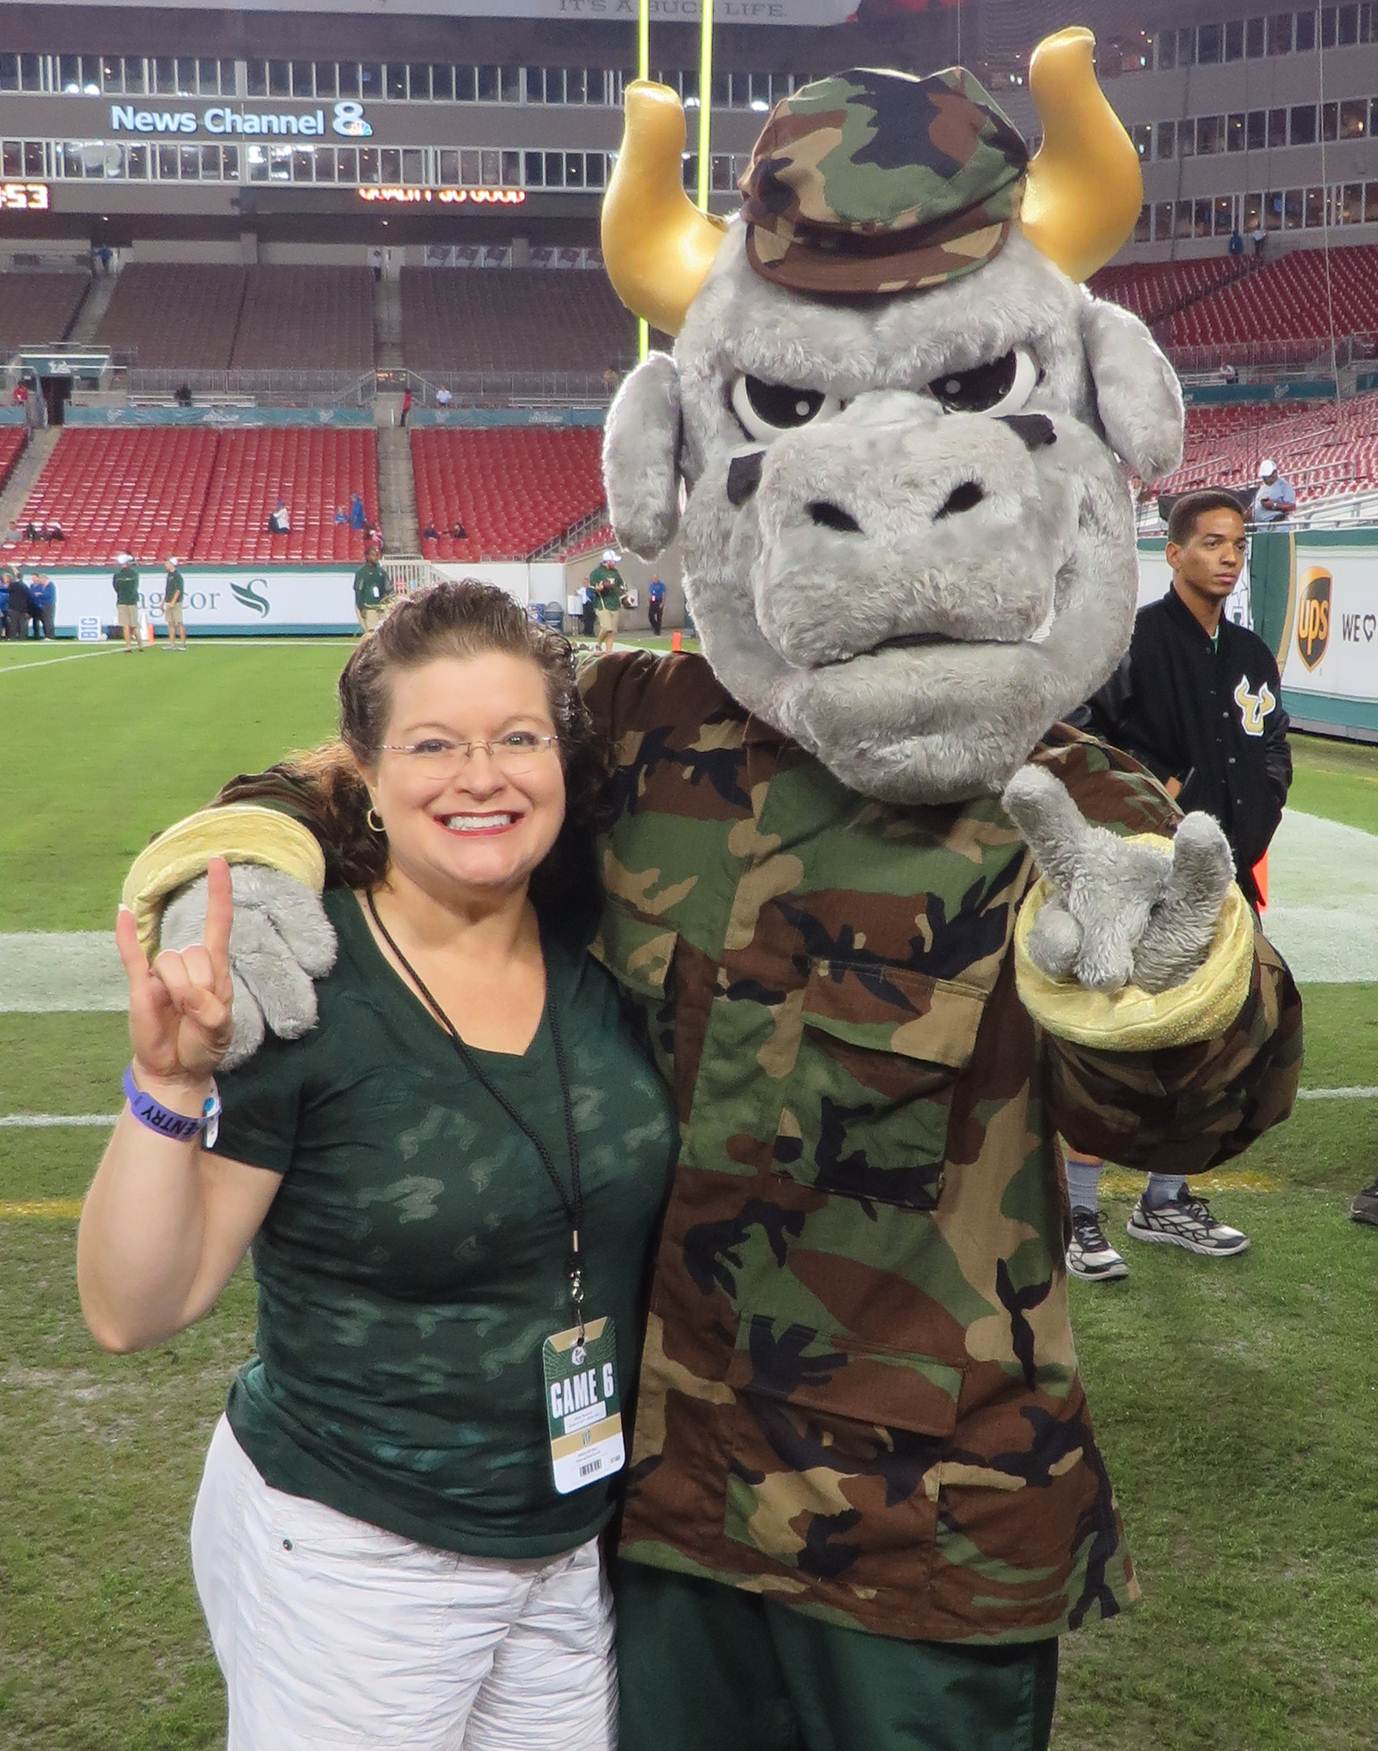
[(47, 662)]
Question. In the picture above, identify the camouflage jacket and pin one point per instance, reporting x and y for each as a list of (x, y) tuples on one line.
[(859, 1393)]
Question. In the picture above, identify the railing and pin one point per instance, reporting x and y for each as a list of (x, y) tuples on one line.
[(408, 574), (505, 388), (272, 388), (1296, 353), (569, 540)]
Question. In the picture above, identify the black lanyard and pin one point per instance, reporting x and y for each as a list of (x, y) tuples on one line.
[(572, 1205)]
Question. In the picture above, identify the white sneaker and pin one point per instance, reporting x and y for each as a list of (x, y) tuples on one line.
[(1186, 1221), (1090, 1255)]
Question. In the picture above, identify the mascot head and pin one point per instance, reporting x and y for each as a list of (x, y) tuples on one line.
[(894, 427)]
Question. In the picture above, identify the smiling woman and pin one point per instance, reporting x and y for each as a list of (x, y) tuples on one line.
[(456, 1169)]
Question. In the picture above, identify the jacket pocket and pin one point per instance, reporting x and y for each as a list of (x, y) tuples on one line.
[(866, 1109), (835, 1450)]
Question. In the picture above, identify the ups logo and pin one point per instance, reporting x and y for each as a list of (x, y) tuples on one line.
[(1313, 616)]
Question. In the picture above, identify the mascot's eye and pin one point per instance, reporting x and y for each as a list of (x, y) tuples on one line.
[(767, 409), (1003, 386)]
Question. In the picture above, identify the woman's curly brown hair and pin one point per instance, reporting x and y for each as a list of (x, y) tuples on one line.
[(464, 619)]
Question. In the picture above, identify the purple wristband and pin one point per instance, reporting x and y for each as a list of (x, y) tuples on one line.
[(176, 1127)]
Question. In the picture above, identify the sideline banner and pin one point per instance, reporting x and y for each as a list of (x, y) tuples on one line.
[(249, 601), (241, 600), (1329, 657)]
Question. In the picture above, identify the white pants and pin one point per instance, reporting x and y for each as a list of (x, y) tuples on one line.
[(331, 1632)]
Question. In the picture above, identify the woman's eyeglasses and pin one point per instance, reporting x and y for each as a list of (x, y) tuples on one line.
[(516, 752)]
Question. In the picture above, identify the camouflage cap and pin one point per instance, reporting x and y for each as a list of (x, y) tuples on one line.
[(872, 181)]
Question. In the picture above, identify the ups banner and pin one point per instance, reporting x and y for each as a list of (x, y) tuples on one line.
[(1329, 655)]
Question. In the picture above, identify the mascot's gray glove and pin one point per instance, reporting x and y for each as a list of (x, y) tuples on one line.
[(1121, 912), (280, 941)]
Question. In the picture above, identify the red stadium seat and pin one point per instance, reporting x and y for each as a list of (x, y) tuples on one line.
[(514, 488)]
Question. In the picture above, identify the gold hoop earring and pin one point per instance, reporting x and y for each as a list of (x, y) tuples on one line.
[(375, 822)]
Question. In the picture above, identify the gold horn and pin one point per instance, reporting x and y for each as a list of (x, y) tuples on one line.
[(657, 245), (1085, 185)]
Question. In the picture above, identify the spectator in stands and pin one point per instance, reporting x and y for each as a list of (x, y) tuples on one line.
[(1258, 237), (375, 261), (55, 531), (21, 393), (430, 532), (106, 257), (610, 591), (174, 602), (19, 608), (33, 532), (457, 530), (655, 604), (126, 586), (358, 517), (611, 378), (443, 398), (372, 590), (1198, 700), (279, 521), (1236, 242), (1275, 499), (341, 514), (182, 395), (406, 404), (43, 591)]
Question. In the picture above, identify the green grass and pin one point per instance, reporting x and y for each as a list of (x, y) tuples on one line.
[(1236, 1401), (1338, 780)]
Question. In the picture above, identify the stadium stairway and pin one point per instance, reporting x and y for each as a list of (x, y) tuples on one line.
[(93, 307), (387, 325), (397, 493), (42, 443)]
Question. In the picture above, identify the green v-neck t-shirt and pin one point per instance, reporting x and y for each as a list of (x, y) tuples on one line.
[(416, 1255)]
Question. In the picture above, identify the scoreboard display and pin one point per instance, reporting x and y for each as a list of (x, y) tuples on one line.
[(24, 197)]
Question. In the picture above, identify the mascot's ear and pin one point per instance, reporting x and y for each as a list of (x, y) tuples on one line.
[(1137, 393), (640, 457)]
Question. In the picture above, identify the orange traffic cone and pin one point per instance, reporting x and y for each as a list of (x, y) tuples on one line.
[(676, 641)]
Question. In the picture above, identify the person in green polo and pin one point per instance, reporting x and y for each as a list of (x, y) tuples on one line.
[(608, 590), (126, 586), (372, 590), (174, 596)]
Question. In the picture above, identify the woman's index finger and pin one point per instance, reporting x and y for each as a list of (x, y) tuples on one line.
[(219, 910)]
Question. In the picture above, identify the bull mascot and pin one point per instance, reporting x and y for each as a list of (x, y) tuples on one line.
[(889, 932)]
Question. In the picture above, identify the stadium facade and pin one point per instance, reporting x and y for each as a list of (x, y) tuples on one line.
[(333, 128)]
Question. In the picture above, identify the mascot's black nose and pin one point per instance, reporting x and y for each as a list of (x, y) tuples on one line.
[(743, 477), (1035, 429)]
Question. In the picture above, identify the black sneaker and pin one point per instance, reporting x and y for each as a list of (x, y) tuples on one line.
[(1186, 1221), (1365, 1205), (1090, 1255)]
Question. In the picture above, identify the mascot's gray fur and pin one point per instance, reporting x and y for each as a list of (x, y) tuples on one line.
[(912, 594)]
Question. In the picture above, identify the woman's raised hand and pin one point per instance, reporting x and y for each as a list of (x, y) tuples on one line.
[(180, 1017)]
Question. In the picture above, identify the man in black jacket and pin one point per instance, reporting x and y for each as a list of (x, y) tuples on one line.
[(1198, 700)]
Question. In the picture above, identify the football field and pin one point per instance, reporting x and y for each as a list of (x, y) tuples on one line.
[(1236, 1400)]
